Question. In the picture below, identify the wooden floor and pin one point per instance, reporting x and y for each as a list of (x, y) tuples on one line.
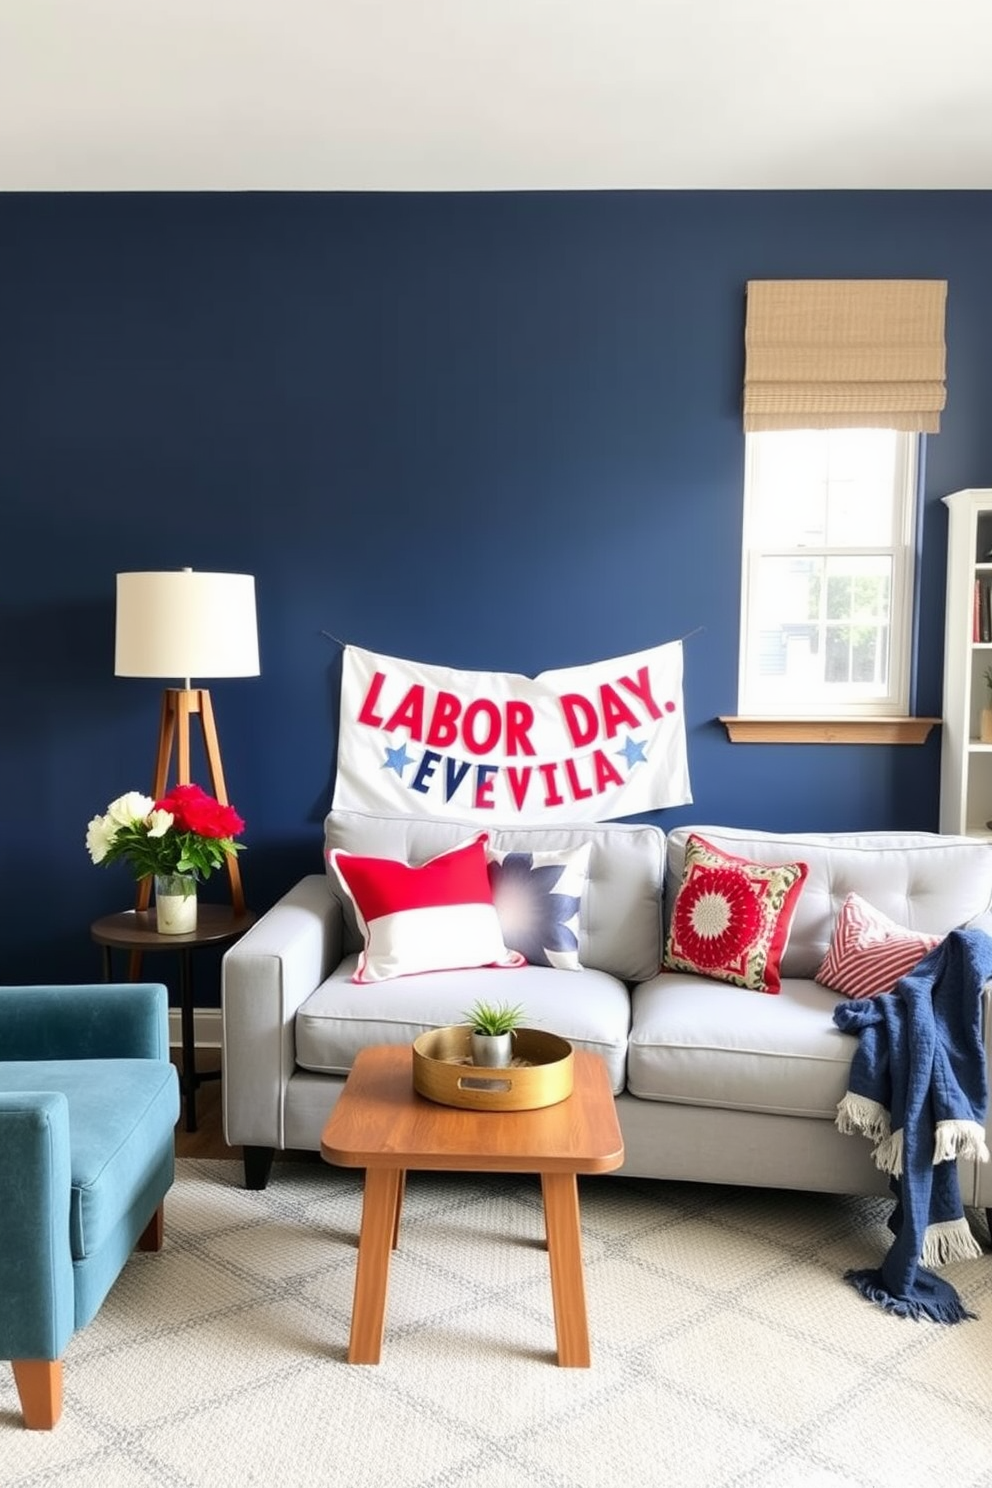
[(208, 1139)]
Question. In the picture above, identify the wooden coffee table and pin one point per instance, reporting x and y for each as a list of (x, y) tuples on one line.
[(381, 1124)]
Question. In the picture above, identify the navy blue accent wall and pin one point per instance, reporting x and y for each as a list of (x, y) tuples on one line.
[(496, 431)]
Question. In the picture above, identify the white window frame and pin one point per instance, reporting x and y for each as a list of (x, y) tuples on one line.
[(760, 699)]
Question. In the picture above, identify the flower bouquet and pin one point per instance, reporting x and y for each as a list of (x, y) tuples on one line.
[(180, 839)]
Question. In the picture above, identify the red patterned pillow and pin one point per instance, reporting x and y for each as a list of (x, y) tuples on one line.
[(732, 917), (869, 952)]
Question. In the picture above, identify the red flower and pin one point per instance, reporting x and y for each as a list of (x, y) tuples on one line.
[(195, 811), (717, 916)]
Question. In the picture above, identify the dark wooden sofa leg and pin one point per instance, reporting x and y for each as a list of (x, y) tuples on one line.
[(39, 1388), (258, 1166), (153, 1234)]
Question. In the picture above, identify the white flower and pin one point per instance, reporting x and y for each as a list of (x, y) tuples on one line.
[(130, 808), (99, 835), (159, 823)]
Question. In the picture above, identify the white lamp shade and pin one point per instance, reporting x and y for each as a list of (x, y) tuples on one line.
[(186, 624)]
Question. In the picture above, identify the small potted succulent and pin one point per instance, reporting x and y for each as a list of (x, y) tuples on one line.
[(492, 1032)]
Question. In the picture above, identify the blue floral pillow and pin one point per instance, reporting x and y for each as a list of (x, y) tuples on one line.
[(538, 897)]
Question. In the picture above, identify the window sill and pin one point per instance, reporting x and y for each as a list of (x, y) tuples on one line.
[(828, 730)]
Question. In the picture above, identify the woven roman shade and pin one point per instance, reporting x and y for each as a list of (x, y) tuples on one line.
[(844, 354)]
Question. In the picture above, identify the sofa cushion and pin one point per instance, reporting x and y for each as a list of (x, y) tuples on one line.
[(923, 880), (699, 1042), (731, 917), (431, 916), (119, 1111), (589, 1008), (869, 952), (538, 898), (620, 923)]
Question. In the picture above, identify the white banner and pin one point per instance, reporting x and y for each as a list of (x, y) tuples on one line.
[(586, 743)]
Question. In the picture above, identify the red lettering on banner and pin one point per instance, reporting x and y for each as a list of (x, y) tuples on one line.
[(580, 718), (489, 712), (551, 793), (579, 792), (480, 727), (409, 714), (616, 714), (518, 781), (444, 721), (584, 723), (367, 713), (605, 772), (519, 722), (642, 689)]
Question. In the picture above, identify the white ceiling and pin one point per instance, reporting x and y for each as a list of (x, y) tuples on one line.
[(488, 95)]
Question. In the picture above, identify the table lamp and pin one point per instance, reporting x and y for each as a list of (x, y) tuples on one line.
[(187, 624)]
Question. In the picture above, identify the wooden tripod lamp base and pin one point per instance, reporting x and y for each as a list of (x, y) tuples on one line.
[(178, 705)]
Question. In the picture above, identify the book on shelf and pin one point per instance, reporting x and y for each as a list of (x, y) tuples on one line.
[(981, 615)]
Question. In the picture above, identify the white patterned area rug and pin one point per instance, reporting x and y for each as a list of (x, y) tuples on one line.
[(727, 1350)]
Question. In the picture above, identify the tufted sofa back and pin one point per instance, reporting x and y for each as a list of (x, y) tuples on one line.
[(621, 909), (922, 880)]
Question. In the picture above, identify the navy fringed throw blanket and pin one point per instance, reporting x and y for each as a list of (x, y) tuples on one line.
[(919, 1090)]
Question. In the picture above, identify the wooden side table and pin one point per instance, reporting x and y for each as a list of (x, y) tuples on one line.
[(136, 931), (380, 1123)]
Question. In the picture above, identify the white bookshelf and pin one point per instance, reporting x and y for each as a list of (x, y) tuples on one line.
[(965, 762)]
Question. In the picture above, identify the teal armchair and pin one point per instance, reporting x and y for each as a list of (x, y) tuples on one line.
[(88, 1106)]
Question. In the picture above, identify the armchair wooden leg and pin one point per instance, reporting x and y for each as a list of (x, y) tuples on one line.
[(39, 1386), (153, 1234)]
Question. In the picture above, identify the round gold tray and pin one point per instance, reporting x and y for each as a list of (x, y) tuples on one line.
[(443, 1071)]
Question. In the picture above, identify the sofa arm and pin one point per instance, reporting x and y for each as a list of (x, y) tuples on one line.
[(265, 978), (36, 1282), (128, 1020)]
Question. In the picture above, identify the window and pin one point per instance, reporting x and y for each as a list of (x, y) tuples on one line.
[(828, 572), (842, 377)]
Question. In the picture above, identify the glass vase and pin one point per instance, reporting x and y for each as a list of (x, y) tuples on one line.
[(175, 903)]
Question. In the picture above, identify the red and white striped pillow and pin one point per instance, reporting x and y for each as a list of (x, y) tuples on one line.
[(869, 952), (434, 917)]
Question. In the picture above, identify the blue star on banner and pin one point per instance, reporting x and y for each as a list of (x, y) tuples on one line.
[(397, 759), (633, 753)]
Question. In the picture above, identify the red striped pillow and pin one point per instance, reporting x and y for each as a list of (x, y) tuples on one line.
[(869, 952), (435, 917)]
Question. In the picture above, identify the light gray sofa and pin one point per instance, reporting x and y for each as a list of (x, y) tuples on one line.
[(713, 1083)]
